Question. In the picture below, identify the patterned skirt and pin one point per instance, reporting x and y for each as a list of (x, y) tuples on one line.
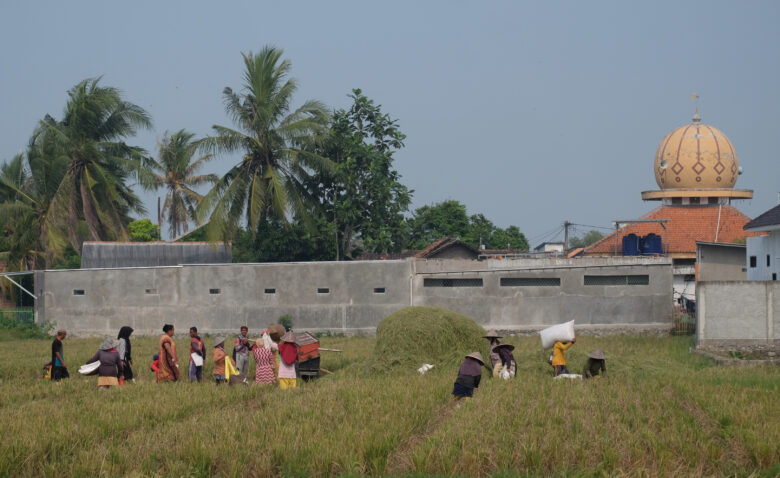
[(107, 382), (264, 373)]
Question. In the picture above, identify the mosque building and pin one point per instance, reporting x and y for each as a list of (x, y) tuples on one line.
[(696, 168)]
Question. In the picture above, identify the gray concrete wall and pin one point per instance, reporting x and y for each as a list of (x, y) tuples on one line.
[(345, 297), (721, 262), (737, 313)]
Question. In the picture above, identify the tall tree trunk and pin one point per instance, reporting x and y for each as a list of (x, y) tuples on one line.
[(93, 223)]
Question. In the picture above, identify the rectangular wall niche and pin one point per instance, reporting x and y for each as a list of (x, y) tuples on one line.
[(530, 281), (323, 290), (641, 279), (151, 291), (379, 290), (270, 291), (215, 291), (78, 291), (433, 282)]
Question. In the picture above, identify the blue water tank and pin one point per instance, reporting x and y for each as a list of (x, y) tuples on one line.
[(630, 245), (651, 245)]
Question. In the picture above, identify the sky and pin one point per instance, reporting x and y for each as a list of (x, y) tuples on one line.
[(531, 113)]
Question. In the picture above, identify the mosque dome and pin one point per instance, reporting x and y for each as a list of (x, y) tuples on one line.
[(696, 156)]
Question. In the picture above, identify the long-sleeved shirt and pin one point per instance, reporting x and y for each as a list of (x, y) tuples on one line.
[(122, 349), (219, 361), (241, 348), (110, 363), (558, 348), (594, 367)]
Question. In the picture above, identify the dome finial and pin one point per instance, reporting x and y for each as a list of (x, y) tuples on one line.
[(695, 99)]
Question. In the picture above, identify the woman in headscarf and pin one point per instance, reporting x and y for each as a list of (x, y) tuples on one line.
[(110, 365), (169, 359), (289, 354), (125, 353), (264, 357), (469, 376)]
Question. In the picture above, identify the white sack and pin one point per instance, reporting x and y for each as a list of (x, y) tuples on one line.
[(90, 368), (197, 359), (568, 375), (557, 333), (425, 367)]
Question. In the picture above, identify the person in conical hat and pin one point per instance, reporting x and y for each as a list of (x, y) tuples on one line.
[(110, 364), (469, 375), (596, 364), (507, 359), (495, 359)]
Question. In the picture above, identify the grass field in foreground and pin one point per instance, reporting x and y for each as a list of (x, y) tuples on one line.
[(661, 411)]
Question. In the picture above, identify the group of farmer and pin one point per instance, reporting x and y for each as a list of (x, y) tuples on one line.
[(503, 364), (116, 363)]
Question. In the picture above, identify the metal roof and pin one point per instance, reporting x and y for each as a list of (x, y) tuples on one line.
[(101, 255)]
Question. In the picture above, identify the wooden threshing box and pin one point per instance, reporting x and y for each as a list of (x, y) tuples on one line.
[(308, 364)]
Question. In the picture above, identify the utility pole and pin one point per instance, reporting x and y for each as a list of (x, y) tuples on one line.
[(566, 225)]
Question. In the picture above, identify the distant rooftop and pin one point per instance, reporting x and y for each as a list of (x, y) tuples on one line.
[(103, 255)]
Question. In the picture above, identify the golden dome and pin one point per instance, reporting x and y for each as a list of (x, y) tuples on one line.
[(696, 156)]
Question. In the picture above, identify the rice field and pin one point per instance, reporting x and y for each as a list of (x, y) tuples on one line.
[(661, 411)]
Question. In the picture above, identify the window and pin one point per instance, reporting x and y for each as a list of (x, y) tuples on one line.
[(78, 291), (379, 290), (530, 281), (767, 260), (270, 291), (712, 200), (689, 278), (151, 291), (752, 261), (693, 201), (617, 280), (215, 291), (676, 200), (323, 290), (452, 283), (774, 276)]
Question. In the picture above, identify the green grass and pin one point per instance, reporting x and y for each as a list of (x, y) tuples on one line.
[(661, 411)]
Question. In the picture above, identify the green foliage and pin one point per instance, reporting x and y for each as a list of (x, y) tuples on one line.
[(276, 146), (449, 218), (416, 335), (20, 324), (71, 259), (362, 194), (286, 321), (586, 240), (143, 230), (276, 241)]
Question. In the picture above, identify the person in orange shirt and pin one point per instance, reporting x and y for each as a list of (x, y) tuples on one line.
[(559, 361)]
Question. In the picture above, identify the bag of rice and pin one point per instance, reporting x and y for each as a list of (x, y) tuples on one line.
[(557, 333)]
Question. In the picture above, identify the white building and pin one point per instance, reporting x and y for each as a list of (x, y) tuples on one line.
[(763, 252)]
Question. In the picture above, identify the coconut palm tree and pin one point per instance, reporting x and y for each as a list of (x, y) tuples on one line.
[(175, 171), (90, 136), (275, 144)]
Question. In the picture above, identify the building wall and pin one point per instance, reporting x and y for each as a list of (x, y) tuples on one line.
[(719, 263), (346, 297), (764, 248), (736, 313)]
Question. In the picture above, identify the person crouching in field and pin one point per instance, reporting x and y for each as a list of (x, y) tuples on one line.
[(110, 364), (469, 375), (155, 365), (58, 368), (596, 364), (289, 353), (508, 364), (219, 360), (169, 359), (559, 361)]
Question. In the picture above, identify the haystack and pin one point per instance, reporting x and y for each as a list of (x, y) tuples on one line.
[(417, 335)]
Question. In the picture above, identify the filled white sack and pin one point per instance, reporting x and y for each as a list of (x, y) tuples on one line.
[(90, 368), (557, 333), (568, 375)]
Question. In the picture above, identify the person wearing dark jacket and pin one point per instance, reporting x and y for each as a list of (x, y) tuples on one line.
[(110, 364), (596, 364), (507, 359), (58, 368), (469, 376), (125, 355), (197, 349)]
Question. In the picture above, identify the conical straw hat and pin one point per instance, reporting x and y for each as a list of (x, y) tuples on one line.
[(492, 334), (597, 354), (476, 356)]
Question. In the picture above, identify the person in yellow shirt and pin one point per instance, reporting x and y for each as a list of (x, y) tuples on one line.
[(559, 361)]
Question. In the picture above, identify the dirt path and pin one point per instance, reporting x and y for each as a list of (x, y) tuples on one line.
[(400, 460)]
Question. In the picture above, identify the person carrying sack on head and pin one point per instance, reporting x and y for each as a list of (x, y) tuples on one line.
[(559, 361)]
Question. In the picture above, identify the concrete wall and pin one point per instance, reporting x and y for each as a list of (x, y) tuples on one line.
[(763, 247), (347, 297), (720, 262), (734, 313)]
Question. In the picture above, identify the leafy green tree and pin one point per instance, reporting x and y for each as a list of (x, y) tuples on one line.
[(276, 146), (361, 194), (480, 231), (144, 230), (509, 238), (176, 172), (429, 223), (94, 187), (586, 240)]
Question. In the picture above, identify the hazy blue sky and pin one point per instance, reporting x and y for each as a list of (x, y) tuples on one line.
[(530, 113)]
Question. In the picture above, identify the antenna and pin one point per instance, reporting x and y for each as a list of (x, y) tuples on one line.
[(695, 99)]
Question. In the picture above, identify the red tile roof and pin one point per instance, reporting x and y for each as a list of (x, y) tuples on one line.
[(686, 225)]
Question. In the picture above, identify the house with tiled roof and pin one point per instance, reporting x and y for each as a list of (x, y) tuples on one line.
[(696, 168), (444, 248), (763, 252)]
